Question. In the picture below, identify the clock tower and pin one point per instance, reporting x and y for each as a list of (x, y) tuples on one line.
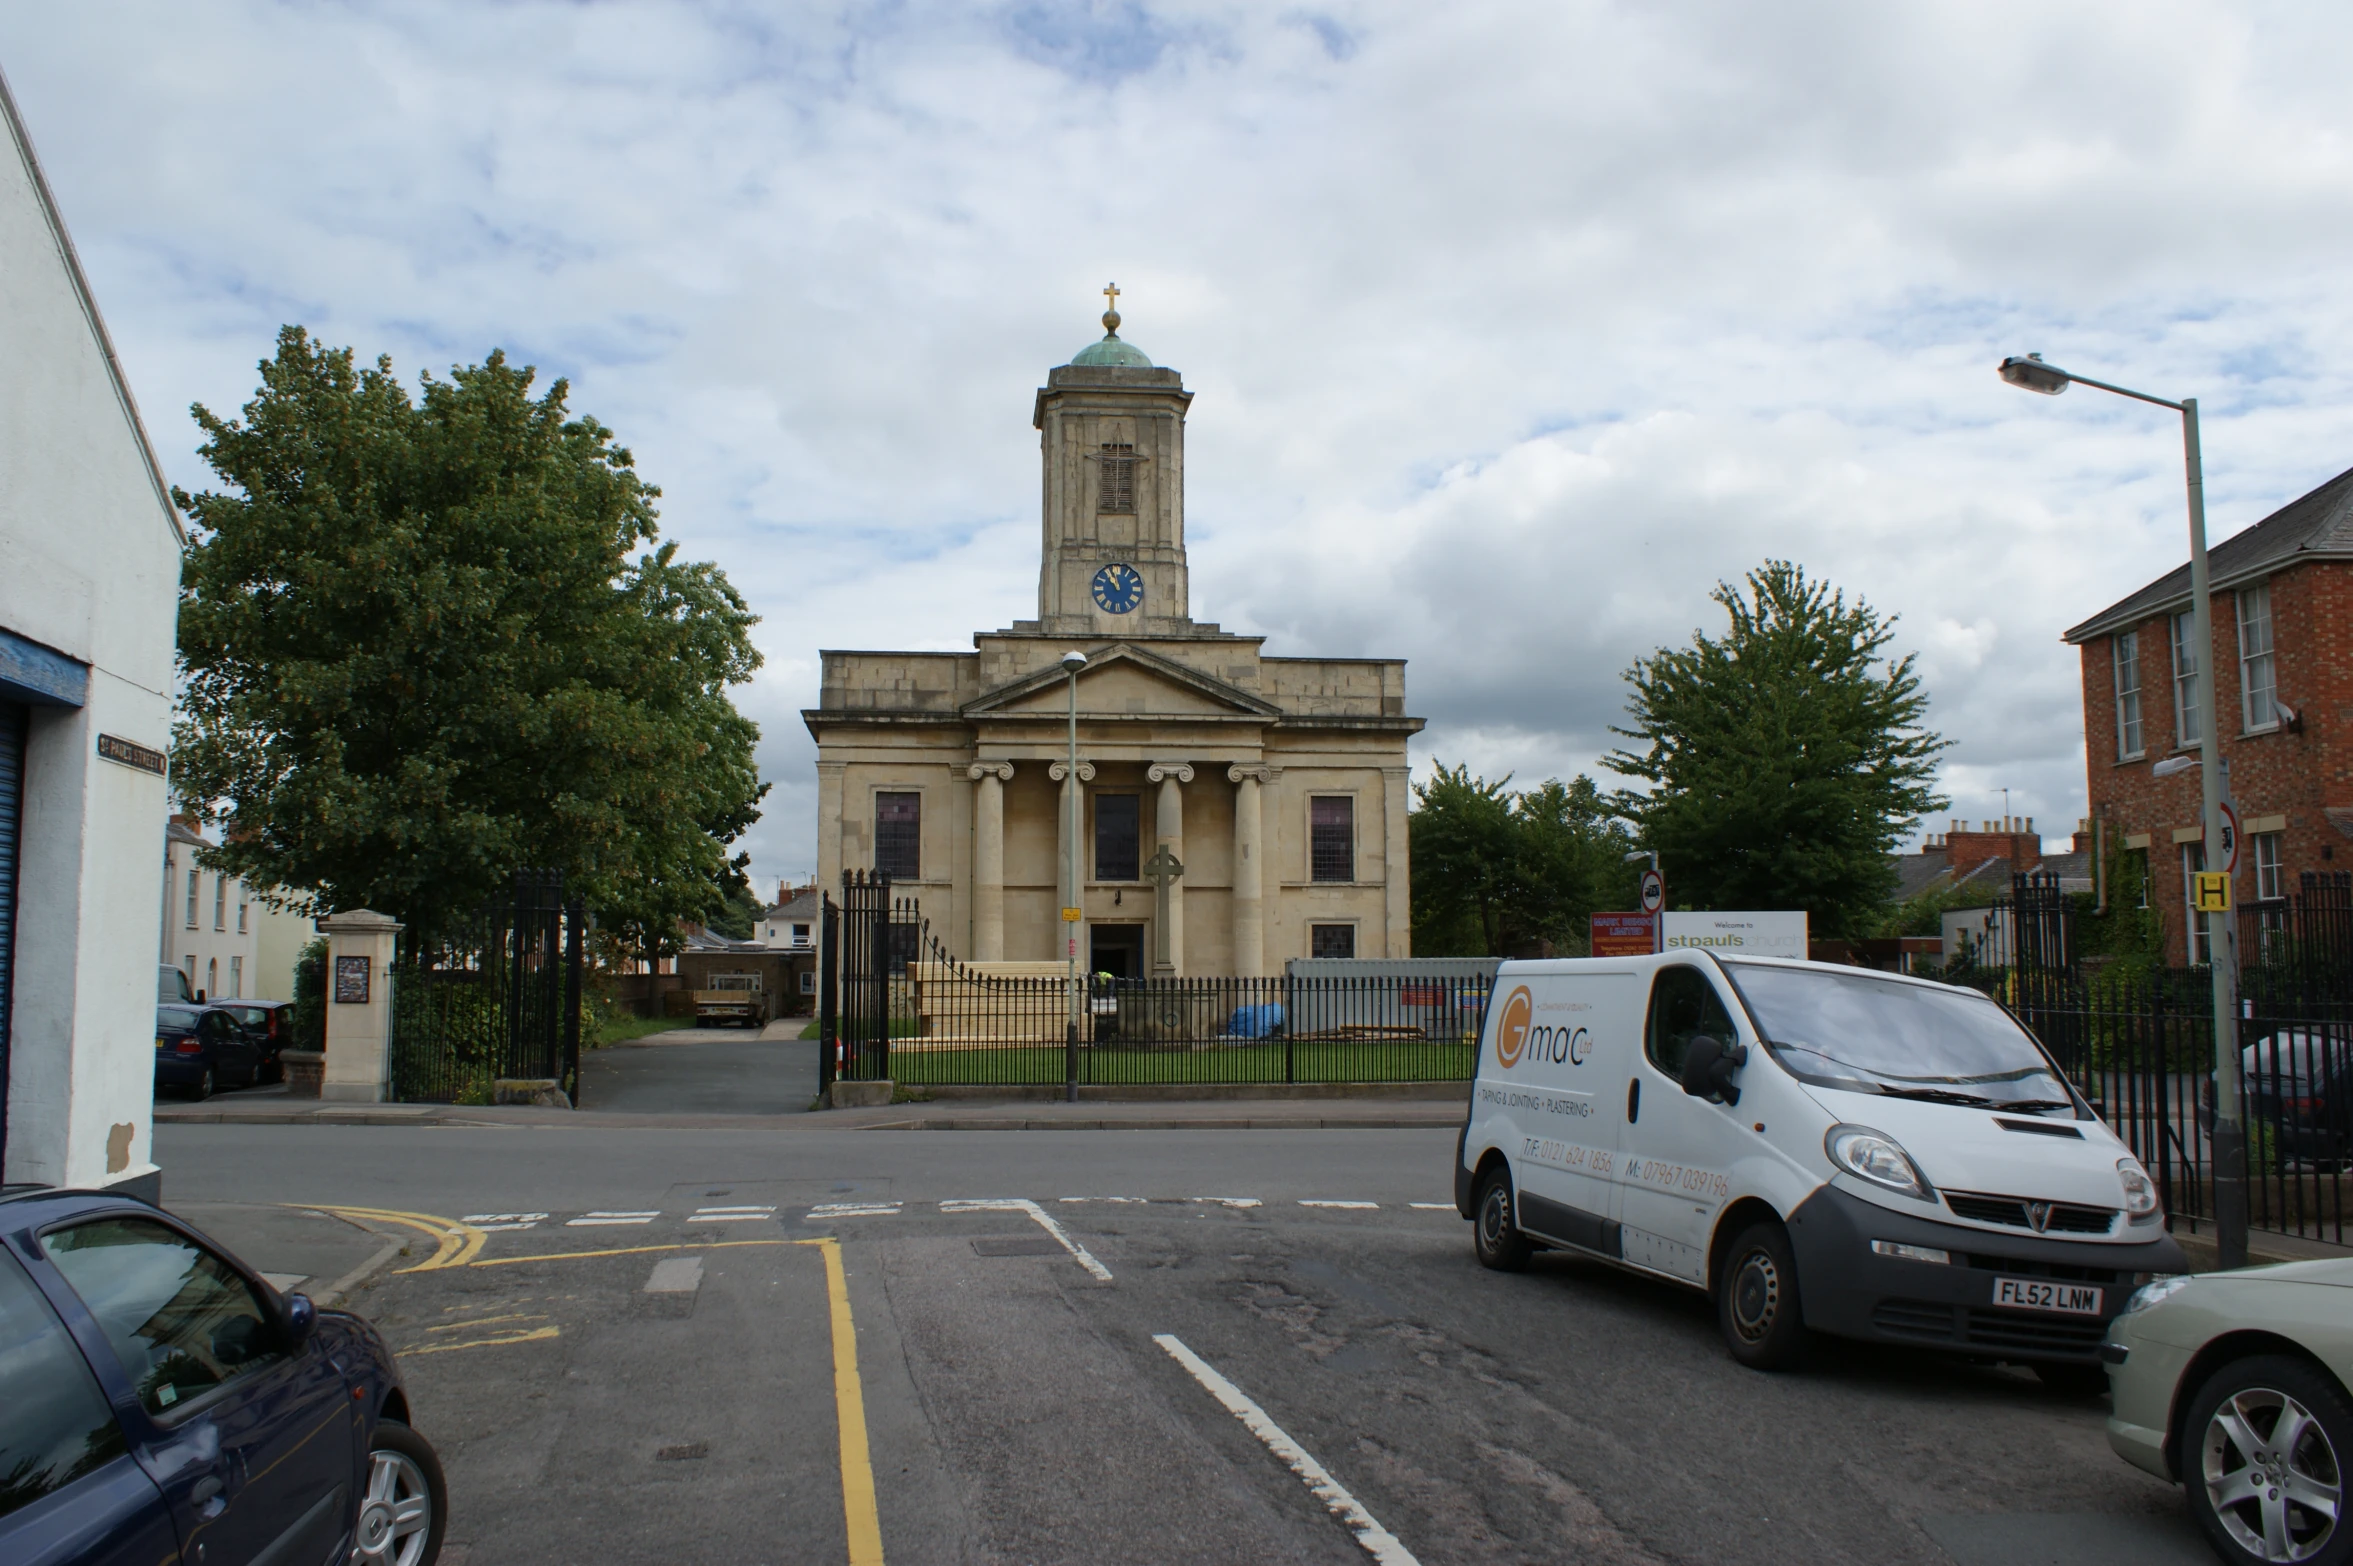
[(1111, 438)]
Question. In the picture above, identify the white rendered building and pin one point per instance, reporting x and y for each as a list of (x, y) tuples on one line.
[(89, 601)]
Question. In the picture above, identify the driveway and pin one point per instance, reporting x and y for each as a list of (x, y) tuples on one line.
[(695, 1071)]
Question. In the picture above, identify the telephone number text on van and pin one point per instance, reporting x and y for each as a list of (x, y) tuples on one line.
[(1565, 1155), (1678, 1177)]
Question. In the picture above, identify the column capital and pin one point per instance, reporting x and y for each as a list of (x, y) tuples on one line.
[(1240, 773), (1162, 771), (1002, 771), (1060, 770)]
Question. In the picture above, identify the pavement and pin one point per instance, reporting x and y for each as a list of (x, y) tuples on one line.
[(629, 1342)]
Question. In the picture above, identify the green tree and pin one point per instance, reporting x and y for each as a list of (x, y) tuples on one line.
[(1786, 760), (426, 643), (739, 916), (1495, 870)]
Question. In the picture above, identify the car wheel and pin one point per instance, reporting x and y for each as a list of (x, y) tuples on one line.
[(2074, 1379), (275, 1071), (1495, 1233), (203, 1087), (1757, 1300), (2262, 1458), (406, 1507)]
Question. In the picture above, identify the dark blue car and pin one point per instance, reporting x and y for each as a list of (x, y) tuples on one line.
[(159, 1402), (200, 1048)]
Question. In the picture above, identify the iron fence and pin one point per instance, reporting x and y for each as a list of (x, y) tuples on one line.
[(497, 997), (2139, 1043), (945, 1022)]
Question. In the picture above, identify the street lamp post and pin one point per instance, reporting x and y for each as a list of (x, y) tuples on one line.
[(1072, 662), (2229, 1149)]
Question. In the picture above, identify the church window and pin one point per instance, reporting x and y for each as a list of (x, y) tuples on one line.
[(1331, 838), (898, 836), (1116, 490), (1331, 940), (1118, 837)]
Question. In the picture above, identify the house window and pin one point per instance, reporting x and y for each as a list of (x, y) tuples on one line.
[(212, 979), (2193, 860), (1331, 940), (800, 935), (2271, 892), (220, 902), (898, 836), (1117, 489), (2138, 858), (2128, 695), (1118, 837), (2255, 668), (809, 981), (236, 978), (195, 879), (188, 967), (1331, 838), (2187, 729), (244, 902)]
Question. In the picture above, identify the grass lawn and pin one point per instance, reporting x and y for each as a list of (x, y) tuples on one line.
[(621, 1030), (1219, 1063)]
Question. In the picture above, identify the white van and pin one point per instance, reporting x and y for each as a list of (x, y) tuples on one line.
[(1814, 1146)]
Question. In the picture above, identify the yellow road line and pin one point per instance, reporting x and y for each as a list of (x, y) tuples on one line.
[(484, 1321), (849, 1401), (454, 1243), (630, 1250), (535, 1335)]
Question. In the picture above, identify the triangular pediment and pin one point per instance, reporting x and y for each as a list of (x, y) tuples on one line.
[(1123, 680)]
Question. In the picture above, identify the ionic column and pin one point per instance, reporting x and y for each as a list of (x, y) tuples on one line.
[(1249, 870), (988, 858), (1072, 853), (1170, 829)]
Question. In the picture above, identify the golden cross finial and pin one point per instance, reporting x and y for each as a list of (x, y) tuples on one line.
[(1111, 296), (1111, 313)]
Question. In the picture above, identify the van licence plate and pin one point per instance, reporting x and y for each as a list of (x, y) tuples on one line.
[(2071, 1299)]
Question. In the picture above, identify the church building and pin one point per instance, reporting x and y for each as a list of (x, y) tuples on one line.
[(1276, 786)]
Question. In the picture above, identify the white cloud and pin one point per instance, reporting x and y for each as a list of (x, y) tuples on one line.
[(1514, 327)]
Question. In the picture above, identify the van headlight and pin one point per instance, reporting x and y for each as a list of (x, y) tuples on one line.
[(2140, 1192), (1875, 1156)]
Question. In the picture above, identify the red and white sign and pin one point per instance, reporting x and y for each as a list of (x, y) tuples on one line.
[(2230, 839), (1623, 935), (1654, 891)]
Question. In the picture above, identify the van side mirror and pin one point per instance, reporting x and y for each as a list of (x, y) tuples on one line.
[(1708, 1065)]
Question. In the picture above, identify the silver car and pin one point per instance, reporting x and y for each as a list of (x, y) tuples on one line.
[(2234, 1385)]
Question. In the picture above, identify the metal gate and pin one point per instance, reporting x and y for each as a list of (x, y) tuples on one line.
[(497, 998), (866, 943)]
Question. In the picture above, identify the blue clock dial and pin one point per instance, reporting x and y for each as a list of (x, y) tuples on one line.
[(1119, 588)]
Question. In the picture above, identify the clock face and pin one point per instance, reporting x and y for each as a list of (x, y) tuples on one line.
[(1119, 588)]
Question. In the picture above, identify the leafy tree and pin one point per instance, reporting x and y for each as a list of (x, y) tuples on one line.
[(426, 643), (1494, 870), (738, 916), (1786, 760)]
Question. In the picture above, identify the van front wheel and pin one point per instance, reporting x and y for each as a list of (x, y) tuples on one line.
[(1495, 1237), (1757, 1301)]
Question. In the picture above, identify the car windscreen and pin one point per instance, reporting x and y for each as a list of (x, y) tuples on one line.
[(1873, 1035), (180, 1017)]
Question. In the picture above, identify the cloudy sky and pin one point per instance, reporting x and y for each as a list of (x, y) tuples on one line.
[(1513, 327)]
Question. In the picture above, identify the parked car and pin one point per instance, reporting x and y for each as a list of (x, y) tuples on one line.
[(171, 987), (2298, 1105), (200, 1048), (1814, 1147), (2233, 1385), (271, 1026), (160, 1402)]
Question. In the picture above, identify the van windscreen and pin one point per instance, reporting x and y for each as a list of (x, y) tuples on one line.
[(1872, 1035)]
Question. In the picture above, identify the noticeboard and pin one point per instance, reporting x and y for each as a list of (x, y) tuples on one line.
[(1624, 934), (351, 981)]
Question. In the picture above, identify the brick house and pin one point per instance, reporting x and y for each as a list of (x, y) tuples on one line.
[(2282, 608)]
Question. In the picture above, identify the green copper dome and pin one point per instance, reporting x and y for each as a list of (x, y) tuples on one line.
[(1111, 353)]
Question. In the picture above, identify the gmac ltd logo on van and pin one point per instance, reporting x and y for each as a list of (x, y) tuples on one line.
[(1514, 1035)]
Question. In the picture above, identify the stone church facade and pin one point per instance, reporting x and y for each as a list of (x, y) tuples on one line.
[(1279, 784)]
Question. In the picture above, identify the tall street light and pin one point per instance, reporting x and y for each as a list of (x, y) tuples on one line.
[(1072, 662), (2229, 1150)]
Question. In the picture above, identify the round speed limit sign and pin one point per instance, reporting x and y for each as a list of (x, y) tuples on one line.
[(1654, 891)]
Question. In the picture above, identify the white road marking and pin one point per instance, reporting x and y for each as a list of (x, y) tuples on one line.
[(488, 1221), (1378, 1542), (1433, 1207), (1230, 1201), (1039, 1216), (599, 1220), (1124, 1201), (1354, 1207), (731, 1215), (676, 1275), (825, 1210)]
